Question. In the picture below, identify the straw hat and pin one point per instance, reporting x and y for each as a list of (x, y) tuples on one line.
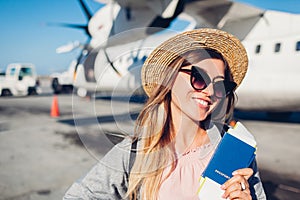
[(228, 45)]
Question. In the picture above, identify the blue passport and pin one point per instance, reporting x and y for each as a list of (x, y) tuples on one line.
[(236, 150)]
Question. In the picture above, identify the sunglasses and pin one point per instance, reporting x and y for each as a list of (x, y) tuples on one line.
[(199, 80)]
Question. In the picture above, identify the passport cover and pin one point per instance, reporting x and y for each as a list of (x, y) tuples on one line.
[(236, 150)]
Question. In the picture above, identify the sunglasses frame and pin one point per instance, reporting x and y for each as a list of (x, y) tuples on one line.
[(196, 72)]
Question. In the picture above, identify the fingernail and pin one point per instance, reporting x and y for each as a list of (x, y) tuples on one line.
[(234, 173), (223, 187)]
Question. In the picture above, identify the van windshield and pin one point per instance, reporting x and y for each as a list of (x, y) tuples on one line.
[(25, 71)]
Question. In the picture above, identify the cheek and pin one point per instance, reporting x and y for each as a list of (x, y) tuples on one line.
[(180, 93), (214, 106), (181, 88), (219, 110), (179, 99)]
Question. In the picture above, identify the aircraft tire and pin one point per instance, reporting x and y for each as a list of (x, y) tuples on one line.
[(68, 89), (82, 92), (57, 88)]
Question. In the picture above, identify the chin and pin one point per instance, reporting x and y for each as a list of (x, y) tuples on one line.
[(200, 119)]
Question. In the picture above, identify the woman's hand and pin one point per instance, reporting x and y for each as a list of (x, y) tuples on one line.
[(238, 187)]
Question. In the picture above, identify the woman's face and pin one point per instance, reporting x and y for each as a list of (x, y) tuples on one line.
[(197, 104)]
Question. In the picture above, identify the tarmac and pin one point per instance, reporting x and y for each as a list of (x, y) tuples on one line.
[(41, 156)]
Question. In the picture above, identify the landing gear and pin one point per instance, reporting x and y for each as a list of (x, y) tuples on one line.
[(82, 92), (57, 88)]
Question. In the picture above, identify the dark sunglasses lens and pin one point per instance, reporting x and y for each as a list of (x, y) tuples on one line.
[(198, 83), (223, 88), (197, 79), (219, 89)]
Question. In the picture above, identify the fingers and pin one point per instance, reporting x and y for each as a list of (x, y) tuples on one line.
[(246, 172), (238, 194), (238, 187), (239, 176), (243, 186), (234, 190)]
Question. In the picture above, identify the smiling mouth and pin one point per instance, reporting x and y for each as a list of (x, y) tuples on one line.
[(202, 102)]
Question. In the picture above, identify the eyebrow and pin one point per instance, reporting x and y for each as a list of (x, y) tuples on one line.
[(216, 77)]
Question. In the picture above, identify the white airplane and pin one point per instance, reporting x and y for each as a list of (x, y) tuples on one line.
[(121, 39)]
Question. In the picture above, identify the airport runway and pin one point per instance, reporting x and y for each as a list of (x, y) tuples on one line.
[(41, 156)]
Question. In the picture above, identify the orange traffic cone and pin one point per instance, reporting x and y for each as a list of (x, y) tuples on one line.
[(54, 107)]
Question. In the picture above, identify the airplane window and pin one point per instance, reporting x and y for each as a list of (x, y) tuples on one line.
[(277, 47), (257, 49), (298, 46)]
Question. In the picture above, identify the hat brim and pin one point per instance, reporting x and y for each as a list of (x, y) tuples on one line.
[(225, 43)]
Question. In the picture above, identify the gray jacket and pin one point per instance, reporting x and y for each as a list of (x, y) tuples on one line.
[(108, 179)]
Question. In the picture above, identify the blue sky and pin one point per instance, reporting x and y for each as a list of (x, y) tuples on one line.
[(25, 37)]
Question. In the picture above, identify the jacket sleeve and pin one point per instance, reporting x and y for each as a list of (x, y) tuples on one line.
[(256, 186), (108, 179)]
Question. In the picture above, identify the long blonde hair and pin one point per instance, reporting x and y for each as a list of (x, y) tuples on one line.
[(154, 130)]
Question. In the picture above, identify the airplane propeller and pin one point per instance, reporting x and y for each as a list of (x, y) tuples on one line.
[(86, 48)]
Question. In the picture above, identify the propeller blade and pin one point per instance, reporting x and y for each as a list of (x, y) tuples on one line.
[(74, 26), (87, 12), (68, 47), (111, 63)]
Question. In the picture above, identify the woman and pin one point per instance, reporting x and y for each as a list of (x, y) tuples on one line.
[(190, 80)]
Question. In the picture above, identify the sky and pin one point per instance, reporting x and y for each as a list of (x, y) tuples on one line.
[(25, 36)]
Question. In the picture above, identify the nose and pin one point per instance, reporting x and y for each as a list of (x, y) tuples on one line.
[(209, 90)]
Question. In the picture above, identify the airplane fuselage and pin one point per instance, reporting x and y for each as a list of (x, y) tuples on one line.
[(271, 84)]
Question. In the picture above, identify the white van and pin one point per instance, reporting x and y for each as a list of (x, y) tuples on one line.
[(20, 79)]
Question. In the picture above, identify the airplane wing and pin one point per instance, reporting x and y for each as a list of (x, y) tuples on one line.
[(237, 18), (234, 17)]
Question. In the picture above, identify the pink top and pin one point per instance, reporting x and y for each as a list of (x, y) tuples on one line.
[(183, 182)]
